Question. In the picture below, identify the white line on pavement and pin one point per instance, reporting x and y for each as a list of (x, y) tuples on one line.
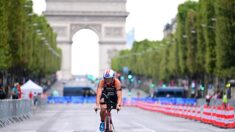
[(144, 127)]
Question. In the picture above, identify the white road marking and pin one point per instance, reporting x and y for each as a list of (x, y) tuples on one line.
[(144, 127)]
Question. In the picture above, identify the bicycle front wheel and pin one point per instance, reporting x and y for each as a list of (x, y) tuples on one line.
[(107, 124)]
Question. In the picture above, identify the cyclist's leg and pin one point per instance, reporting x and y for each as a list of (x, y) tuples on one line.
[(103, 107), (102, 114)]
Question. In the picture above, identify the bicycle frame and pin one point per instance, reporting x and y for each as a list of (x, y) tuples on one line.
[(108, 118)]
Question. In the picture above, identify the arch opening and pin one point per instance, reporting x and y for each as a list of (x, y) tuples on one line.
[(85, 53)]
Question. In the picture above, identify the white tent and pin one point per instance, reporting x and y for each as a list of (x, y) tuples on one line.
[(30, 86)]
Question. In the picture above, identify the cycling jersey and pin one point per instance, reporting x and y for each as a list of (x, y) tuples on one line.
[(110, 91)]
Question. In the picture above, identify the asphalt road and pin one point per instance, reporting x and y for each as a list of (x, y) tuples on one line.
[(82, 118)]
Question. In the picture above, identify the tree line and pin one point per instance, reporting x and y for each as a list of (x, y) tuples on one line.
[(202, 48), (27, 42)]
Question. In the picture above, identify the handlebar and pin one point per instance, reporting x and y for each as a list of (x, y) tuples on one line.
[(96, 109), (107, 103)]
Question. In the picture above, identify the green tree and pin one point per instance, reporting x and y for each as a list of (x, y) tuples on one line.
[(4, 35), (27, 42), (181, 34), (16, 27), (201, 44), (164, 72), (173, 64), (191, 41), (225, 38), (209, 17)]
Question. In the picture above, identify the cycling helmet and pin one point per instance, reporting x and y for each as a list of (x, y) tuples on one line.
[(108, 73)]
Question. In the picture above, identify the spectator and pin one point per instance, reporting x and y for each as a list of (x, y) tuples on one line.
[(55, 93), (85, 95), (208, 99), (1, 83), (220, 94), (44, 95), (215, 96), (14, 92), (35, 99), (30, 95), (138, 94), (38, 103), (225, 100), (8, 92), (2, 93), (19, 90)]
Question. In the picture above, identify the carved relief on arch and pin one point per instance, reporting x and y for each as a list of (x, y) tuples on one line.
[(60, 30), (114, 31), (76, 27)]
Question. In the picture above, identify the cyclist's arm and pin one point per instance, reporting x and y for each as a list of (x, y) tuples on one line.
[(119, 92), (98, 93)]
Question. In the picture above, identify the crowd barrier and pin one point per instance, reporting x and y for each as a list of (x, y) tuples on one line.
[(173, 101), (218, 116), (70, 99), (92, 99), (14, 111)]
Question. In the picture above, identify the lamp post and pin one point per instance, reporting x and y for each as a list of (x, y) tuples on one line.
[(213, 19), (38, 31), (206, 26), (184, 36), (193, 31), (30, 14)]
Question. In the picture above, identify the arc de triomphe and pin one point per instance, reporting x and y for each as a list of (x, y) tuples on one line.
[(105, 17)]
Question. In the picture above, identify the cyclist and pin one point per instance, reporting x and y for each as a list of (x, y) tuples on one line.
[(110, 86)]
